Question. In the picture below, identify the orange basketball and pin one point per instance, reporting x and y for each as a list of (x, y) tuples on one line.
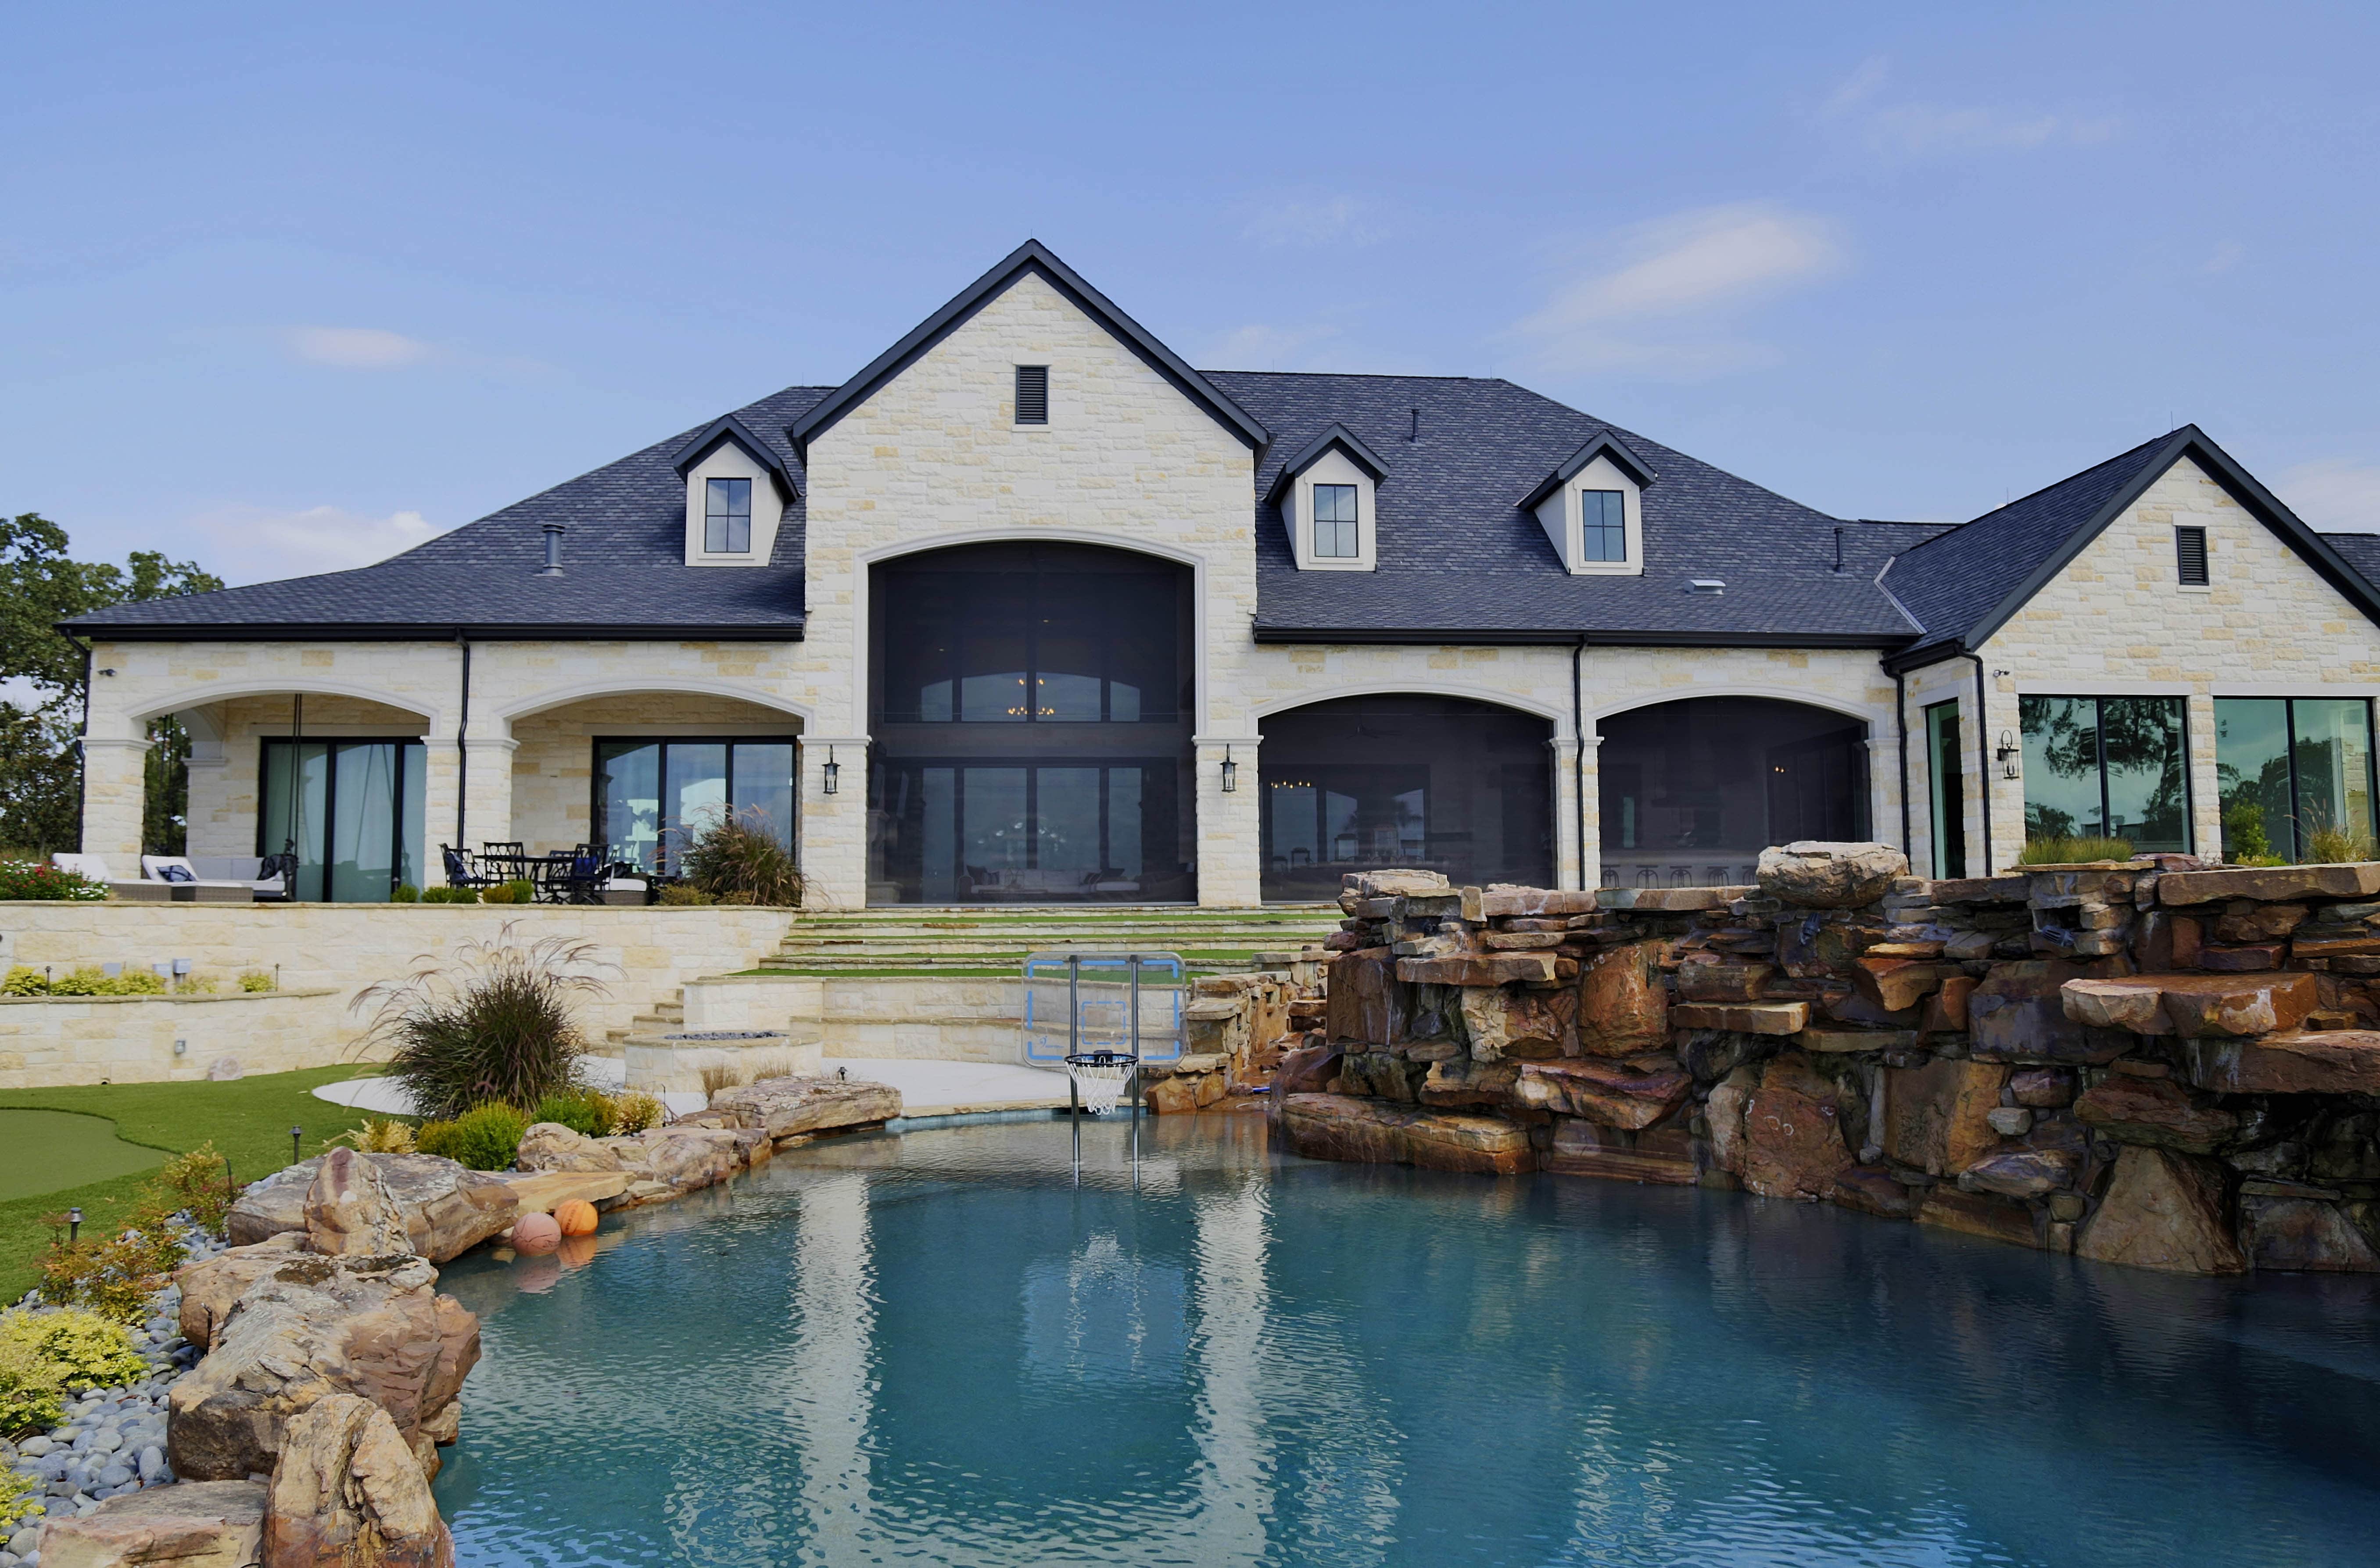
[(576, 1218)]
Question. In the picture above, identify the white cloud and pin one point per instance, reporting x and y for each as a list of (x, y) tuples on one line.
[(1688, 272), (2227, 256), (1311, 219), (256, 544), (1914, 128), (356, 348), (2335, 495)]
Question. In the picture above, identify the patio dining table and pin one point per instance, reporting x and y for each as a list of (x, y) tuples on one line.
[(548, 874)]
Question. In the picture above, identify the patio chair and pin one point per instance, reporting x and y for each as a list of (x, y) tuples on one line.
[(459, 870)]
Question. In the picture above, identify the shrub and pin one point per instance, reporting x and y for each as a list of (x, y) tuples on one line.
[(31, 1393), (740, 858), (27, 878), (88, 1351), (450, 895), (636, 1110), (2245, 842), (377, 1135), (2059, 851), (486, 1137), (404, 892), (21, 1499), (111, 1274), (2329, 842), (89, 981), (199, 982), (25, 980), (518, 890), (685, 893), (254, 980), (196, 1184), (582, 1110), (493, 1024)]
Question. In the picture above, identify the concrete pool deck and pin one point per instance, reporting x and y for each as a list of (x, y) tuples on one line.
[(928, 1088)]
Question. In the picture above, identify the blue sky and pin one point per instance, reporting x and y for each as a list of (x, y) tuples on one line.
[(285, 289)]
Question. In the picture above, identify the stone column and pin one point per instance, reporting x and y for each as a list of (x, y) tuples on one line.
[(115, 800), (488, 784), (833, 837), (1884, 792), (1231, 841), (2205, 783), (1567, 866), (1998, 717)]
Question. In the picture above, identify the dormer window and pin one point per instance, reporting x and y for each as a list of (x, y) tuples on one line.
[(1593, 509), (727, 517), (1327, 492), (1336, 528), (736, 492)]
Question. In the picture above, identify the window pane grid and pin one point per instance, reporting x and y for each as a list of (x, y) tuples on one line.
[(1605, 525), (1335, 528), (727, 517)]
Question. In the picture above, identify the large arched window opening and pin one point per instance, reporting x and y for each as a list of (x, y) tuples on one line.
[(1692, 791), (1429, 783), (1030, 712)]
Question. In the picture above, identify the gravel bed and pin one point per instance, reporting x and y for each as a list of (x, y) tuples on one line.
[(112, 1440)]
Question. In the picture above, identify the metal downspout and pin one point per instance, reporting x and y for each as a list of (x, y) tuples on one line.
[(1578, 759), (463, 757), (1900, 720)]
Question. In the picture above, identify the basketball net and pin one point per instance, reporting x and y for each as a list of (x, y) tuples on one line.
[(1099, 1078)]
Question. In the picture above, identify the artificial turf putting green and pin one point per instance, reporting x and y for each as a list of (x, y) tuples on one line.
[(44, 1151), (247, 1119)]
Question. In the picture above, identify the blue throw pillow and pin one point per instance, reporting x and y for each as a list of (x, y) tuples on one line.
[(175, 874)]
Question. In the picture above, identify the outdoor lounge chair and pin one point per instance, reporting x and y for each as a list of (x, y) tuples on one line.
[(212, 879), (131, 890), (459, 870)]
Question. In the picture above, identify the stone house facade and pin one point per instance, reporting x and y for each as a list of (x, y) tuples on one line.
[(1030, 611)]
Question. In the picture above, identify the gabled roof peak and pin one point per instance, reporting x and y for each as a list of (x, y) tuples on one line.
[(1339, 437), (1603, 444), (1036, 257), (721, 431)]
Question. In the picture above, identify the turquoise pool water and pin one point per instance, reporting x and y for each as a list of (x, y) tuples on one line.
[(937, 1348)]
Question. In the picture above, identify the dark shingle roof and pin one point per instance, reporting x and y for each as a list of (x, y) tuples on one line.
[(1457, 556), (1956, 581), (2360, 550), (623, 558)]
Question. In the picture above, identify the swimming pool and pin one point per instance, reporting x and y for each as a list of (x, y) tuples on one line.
[(939, 1349)]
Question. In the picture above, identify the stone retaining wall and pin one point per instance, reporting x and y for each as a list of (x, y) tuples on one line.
[(324, 953), (2151, 1064)]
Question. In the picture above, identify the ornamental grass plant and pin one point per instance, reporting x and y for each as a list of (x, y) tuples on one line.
[(493, 1024), (740, 857), (2061, 850)]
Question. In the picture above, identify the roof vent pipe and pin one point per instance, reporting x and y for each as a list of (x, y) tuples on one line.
[(1413, 432), (552, 568), (1838, 547)]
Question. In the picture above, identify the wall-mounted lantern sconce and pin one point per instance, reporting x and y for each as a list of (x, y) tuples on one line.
[(833, 771), (2007, 755), (1231, 773)]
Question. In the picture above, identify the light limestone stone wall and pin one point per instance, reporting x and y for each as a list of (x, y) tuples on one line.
[(922, 1019), (552, 794), (48, 1041), (226, 765), (338, 949), (935, 457), (2116, 623)]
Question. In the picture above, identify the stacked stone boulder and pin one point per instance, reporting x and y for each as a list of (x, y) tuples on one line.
[(2150, 1062)]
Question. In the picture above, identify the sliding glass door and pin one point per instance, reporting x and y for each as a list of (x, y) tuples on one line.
[(2291, 768), (351, 809), (653, 797)]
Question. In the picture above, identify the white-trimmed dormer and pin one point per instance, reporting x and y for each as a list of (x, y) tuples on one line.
[(736, 492), (1328, 493), (1593, 509)]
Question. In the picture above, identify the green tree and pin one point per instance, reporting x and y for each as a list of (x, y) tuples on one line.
[(41, 766)]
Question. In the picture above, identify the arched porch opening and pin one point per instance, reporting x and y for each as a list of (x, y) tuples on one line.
[(1691, 792), (1408, 780), (1031, 713)]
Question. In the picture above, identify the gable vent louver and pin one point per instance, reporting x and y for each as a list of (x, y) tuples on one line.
[(1032, 395), (2190, 555)]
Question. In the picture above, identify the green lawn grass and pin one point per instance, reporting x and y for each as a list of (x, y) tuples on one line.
[(247, 1119), (42, 1151)]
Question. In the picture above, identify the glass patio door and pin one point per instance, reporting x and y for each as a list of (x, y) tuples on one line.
[(352, 810)]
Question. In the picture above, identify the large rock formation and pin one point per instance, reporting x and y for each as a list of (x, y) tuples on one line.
[(550, 1145), (1793, 1140), (212, 1286), (1819, 874), (349, 1494), (373, 1327), (785, 1107), (1936, 1116), (193, 1524), (350, 1211), (448, 1210), (1331, 1126), (2162, 1211)]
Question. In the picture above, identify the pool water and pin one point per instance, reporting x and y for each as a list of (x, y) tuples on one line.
[(941, 1349)]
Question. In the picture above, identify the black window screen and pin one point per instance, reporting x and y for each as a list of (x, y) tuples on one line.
[(1429, 783), (1692, 792)]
